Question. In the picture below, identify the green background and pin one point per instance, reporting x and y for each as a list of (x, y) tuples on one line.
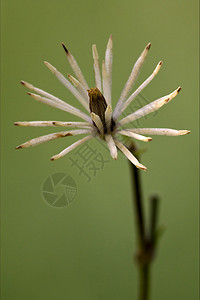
[(85, 250)]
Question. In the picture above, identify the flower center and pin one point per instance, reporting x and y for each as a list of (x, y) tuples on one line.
[(97, 103), (98, 106)]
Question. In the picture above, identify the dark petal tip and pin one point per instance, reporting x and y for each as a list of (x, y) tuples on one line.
[(67, 52)]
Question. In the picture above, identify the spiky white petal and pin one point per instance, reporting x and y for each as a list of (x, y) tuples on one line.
[(108, 61), (96, 119), (97, 72), (75, 68), (81, 89), (53, 124), (111, 145), (129, 155), (106, 84), (108, 116), (134, 135), (149, 108), (52, 136), (62, 106), (41, 92), (45, 94), (133, 76), (67, 84), (71, 147), (160, 131), (139, 89)]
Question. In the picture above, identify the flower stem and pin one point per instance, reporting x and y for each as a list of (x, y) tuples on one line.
[(144, 282), (146, 238), (138, 205)]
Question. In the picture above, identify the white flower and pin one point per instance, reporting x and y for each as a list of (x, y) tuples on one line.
[(101, 121)]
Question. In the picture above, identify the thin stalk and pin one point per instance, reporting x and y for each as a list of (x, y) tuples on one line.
[(144, 291), (145, 238), (143, 266), (138, 205)]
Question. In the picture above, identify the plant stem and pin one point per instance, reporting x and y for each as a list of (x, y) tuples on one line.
[(144, 282), (138, 205), (146, 239), (140, 225)]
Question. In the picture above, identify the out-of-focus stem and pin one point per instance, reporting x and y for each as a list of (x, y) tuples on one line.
[(145, 236)]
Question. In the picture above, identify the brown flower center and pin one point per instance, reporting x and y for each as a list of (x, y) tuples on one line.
[(97, 103)]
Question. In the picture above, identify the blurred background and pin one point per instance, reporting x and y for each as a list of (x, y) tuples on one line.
[(82, 246)]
